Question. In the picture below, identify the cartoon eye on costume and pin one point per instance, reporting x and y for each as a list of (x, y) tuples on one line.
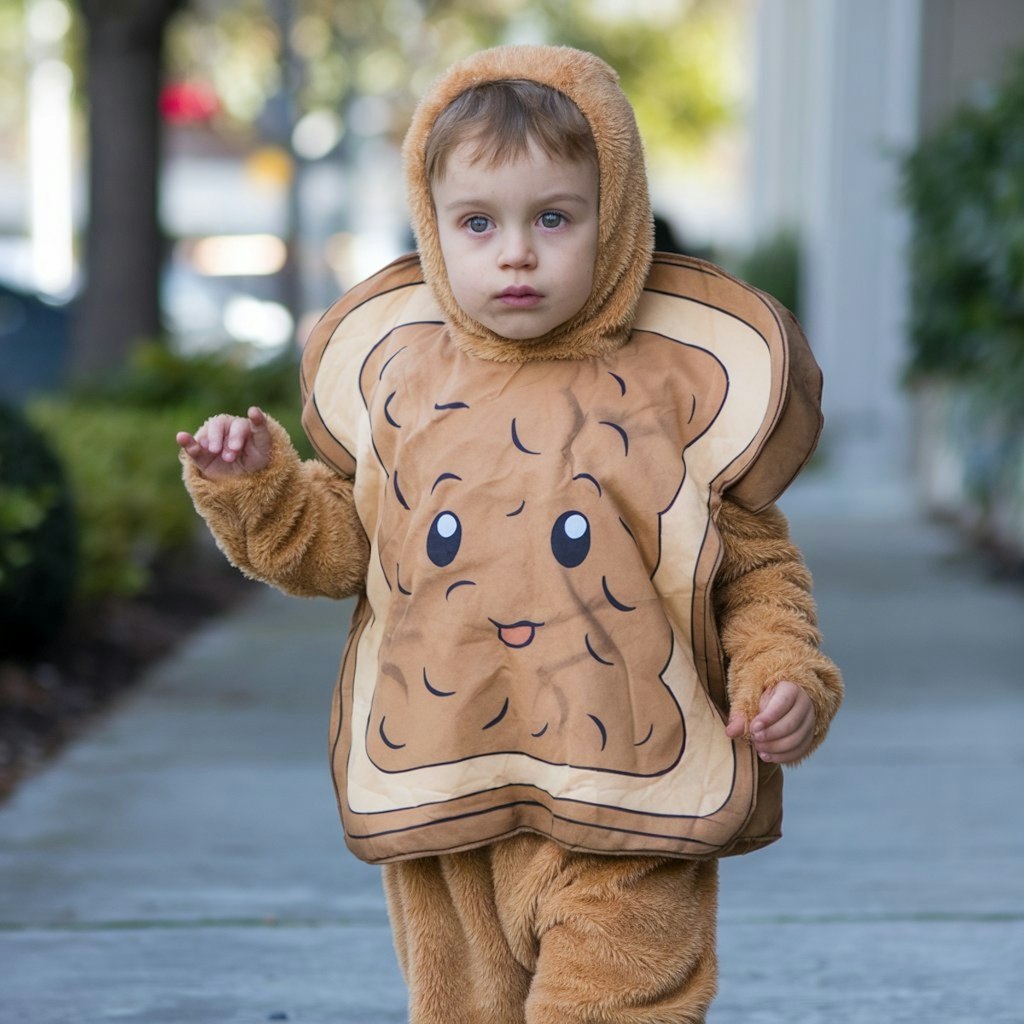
[(444, 538), (570, 539)]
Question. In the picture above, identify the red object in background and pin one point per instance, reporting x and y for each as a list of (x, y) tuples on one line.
[(188, 102)]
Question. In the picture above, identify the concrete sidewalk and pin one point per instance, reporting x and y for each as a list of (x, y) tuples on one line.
[(183, 861)]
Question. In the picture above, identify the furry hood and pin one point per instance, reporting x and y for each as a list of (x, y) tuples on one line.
[(625, 234)]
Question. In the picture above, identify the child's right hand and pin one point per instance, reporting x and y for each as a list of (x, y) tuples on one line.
[(229, 445)]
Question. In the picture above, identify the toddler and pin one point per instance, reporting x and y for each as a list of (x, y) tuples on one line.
[(583, 643)]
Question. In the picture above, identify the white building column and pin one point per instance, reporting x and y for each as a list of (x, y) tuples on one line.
[(826, 159), (50, 144)]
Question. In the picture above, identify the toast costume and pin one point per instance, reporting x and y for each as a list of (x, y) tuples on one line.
[(569, 568)]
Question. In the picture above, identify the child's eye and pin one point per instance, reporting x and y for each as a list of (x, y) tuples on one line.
[(552, 219), (478, 225)]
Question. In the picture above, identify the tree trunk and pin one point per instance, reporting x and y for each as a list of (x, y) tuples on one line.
[(120, 302)]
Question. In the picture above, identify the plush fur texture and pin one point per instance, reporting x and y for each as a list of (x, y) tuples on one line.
[(767, 618), (626, 233), (525, 932)]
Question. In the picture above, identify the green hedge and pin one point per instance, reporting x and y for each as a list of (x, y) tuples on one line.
[(213, 382), (132, 508), (38, 554), (117, 444), (964, 187)]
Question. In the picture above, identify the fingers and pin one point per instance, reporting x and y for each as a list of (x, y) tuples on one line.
[(259, 431), (195, 451), (211, 434), (737, 725), (776, 703), (225, 435), (225, 440), (236, 436), (783, 731)]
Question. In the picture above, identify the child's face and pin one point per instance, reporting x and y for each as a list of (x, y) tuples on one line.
[(519, 240)]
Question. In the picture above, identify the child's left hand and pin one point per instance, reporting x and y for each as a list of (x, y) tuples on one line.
[(783, 729)]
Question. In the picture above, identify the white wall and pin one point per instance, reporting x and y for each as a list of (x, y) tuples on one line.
[(843, 87), (836, 104)]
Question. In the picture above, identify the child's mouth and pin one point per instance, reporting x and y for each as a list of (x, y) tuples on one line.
[(520, 297)]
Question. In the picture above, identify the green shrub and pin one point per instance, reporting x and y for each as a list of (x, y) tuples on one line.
[(221, 381), (37, 540), (132, 508), (117, 442), (964, 187), (157, 376), (773, 266)]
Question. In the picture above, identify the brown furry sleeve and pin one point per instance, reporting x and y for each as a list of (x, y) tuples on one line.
[(767, 617), (292, 524)]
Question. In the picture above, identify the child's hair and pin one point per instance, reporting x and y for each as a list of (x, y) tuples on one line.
[(502, 118)]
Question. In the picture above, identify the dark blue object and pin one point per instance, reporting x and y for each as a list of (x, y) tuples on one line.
[(34, 344)]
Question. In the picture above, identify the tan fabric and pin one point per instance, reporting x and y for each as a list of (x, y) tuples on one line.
[(490, 688), (496, 680), (525, 932), (626, 233)]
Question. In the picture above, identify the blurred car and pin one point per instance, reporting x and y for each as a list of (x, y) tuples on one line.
[(34, 343)]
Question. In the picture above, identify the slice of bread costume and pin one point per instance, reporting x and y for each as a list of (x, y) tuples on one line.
[(572, 566)]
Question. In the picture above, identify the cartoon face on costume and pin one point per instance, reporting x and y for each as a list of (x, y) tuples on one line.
[(519, 532)]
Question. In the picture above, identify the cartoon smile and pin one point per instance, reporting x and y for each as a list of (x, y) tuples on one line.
[(517, 634)]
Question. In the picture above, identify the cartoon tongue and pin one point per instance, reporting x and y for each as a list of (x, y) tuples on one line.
[(518, 635)]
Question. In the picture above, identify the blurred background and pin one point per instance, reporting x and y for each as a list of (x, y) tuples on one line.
[(185, 185)]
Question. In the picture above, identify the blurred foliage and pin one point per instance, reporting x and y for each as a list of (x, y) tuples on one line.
[(37, 539), (224, 380), (964, 186), (13, 70), (680, 64), (132, 508), (335, 53), (117, 442), (773, 266), (680, 61)]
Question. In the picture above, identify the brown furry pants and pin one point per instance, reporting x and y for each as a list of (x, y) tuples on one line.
[(526, 932)]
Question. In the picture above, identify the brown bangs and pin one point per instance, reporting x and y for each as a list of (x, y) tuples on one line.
[(502, 119)]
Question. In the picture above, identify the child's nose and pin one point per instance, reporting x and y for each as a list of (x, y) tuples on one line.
[(516, 250)]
